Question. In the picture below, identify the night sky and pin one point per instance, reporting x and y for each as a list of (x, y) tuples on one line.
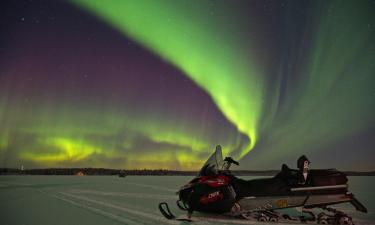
[(158, 84)]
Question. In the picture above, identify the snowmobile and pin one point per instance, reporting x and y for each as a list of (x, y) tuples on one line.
[(217, 191)]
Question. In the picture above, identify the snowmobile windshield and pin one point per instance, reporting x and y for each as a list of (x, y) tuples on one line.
[(213, 164)]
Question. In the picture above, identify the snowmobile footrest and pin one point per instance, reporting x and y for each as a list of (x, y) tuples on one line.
[(358, 206), (164, 209)]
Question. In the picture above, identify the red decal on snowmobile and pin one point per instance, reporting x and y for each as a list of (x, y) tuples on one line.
[(212, 197)]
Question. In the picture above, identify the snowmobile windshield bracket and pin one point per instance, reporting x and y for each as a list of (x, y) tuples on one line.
[(231, 160), (228, 162)]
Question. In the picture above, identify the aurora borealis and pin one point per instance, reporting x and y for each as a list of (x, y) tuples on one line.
[(158, 84)]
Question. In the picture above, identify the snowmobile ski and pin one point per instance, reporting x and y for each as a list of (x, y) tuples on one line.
[(166, 212)]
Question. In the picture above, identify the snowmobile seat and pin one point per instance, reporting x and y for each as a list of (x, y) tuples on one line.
[(286, 179), (290, 176), (325, 177), (260, 187)]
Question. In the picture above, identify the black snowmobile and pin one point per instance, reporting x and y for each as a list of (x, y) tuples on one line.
[(216, 190)]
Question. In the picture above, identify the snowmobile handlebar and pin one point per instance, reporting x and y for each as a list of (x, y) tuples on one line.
[(231, 160)]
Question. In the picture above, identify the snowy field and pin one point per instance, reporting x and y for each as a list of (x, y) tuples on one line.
[(105, 200)]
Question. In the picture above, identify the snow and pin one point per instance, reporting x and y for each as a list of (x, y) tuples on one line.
[(133, 200)]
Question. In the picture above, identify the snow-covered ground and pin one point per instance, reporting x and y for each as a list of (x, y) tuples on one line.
[(105, 200)]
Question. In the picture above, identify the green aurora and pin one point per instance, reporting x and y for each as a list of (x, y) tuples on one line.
[(211, 57), (307, 93), (335, 98), (199, 47)]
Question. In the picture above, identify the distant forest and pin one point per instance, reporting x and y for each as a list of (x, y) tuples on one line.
[(103, 171)]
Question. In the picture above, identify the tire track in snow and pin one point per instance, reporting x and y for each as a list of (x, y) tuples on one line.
[(125, 194), (159, 219), (158, 188), (148, 216), (9, 184), (96, 210)]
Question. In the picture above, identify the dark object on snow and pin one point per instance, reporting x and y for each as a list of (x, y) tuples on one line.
[(122, 174)]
